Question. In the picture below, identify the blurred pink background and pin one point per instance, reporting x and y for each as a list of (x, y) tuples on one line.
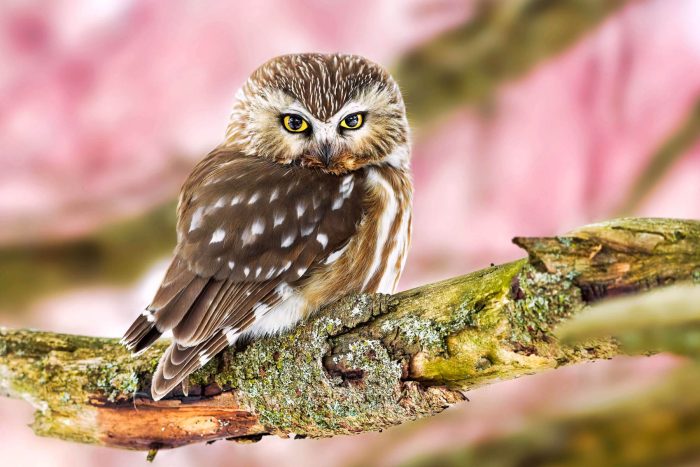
[(105, 106)]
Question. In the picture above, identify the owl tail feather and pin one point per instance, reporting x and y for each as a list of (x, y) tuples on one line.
[(142, 333), (178, 362), (171, 303)]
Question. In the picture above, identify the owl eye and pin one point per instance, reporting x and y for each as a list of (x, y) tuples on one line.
[(294, 123), (352, 121)]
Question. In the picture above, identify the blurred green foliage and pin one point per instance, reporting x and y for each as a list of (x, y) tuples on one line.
[(663, 159), (505, 39), (117, 253)]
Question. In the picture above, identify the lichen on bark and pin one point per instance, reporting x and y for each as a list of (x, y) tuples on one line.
[(364, 363)]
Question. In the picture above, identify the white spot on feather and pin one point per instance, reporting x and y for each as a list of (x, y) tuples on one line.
[(301, 209), (288, 240), (220, 202), (275, 193), (254, 197), (322, 239), (277, 219), (232, 335), (346, 186), (333, 257), (306, 230), (337, 203), (149, 315), (258, 227), (236, 199), (196, 219), (231, 264), (218, 236), (204, 358)]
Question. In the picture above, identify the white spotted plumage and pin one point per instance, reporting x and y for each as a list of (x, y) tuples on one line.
[(272, 225)]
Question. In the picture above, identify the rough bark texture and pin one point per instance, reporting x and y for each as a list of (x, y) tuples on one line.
[(365, 363)]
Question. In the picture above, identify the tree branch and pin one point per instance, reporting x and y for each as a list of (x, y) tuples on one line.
[(365, 363)]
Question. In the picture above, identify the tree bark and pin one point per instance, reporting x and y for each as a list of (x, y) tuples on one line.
[(365, 363)]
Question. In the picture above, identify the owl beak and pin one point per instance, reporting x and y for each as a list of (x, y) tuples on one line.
[(325, 152)]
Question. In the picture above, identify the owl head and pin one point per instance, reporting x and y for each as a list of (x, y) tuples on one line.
[(336, 113)]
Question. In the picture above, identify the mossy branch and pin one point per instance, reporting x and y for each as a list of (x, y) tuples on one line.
[(365, 363)]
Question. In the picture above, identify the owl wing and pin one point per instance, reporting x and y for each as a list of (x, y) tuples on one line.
[(249, 231)]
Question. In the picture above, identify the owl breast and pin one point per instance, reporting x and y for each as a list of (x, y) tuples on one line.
[(372, 261), (391, 223)]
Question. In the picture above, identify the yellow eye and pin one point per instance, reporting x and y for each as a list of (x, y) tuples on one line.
[(352, 121), (294, 123)]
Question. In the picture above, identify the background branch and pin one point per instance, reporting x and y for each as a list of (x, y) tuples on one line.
[(365, 363)]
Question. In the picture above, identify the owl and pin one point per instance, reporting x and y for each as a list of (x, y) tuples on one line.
[(307, 199)]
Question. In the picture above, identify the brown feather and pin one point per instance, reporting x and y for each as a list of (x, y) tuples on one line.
[(258, 224)]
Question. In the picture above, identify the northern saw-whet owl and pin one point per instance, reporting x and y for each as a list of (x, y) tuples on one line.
[(307, 200)]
